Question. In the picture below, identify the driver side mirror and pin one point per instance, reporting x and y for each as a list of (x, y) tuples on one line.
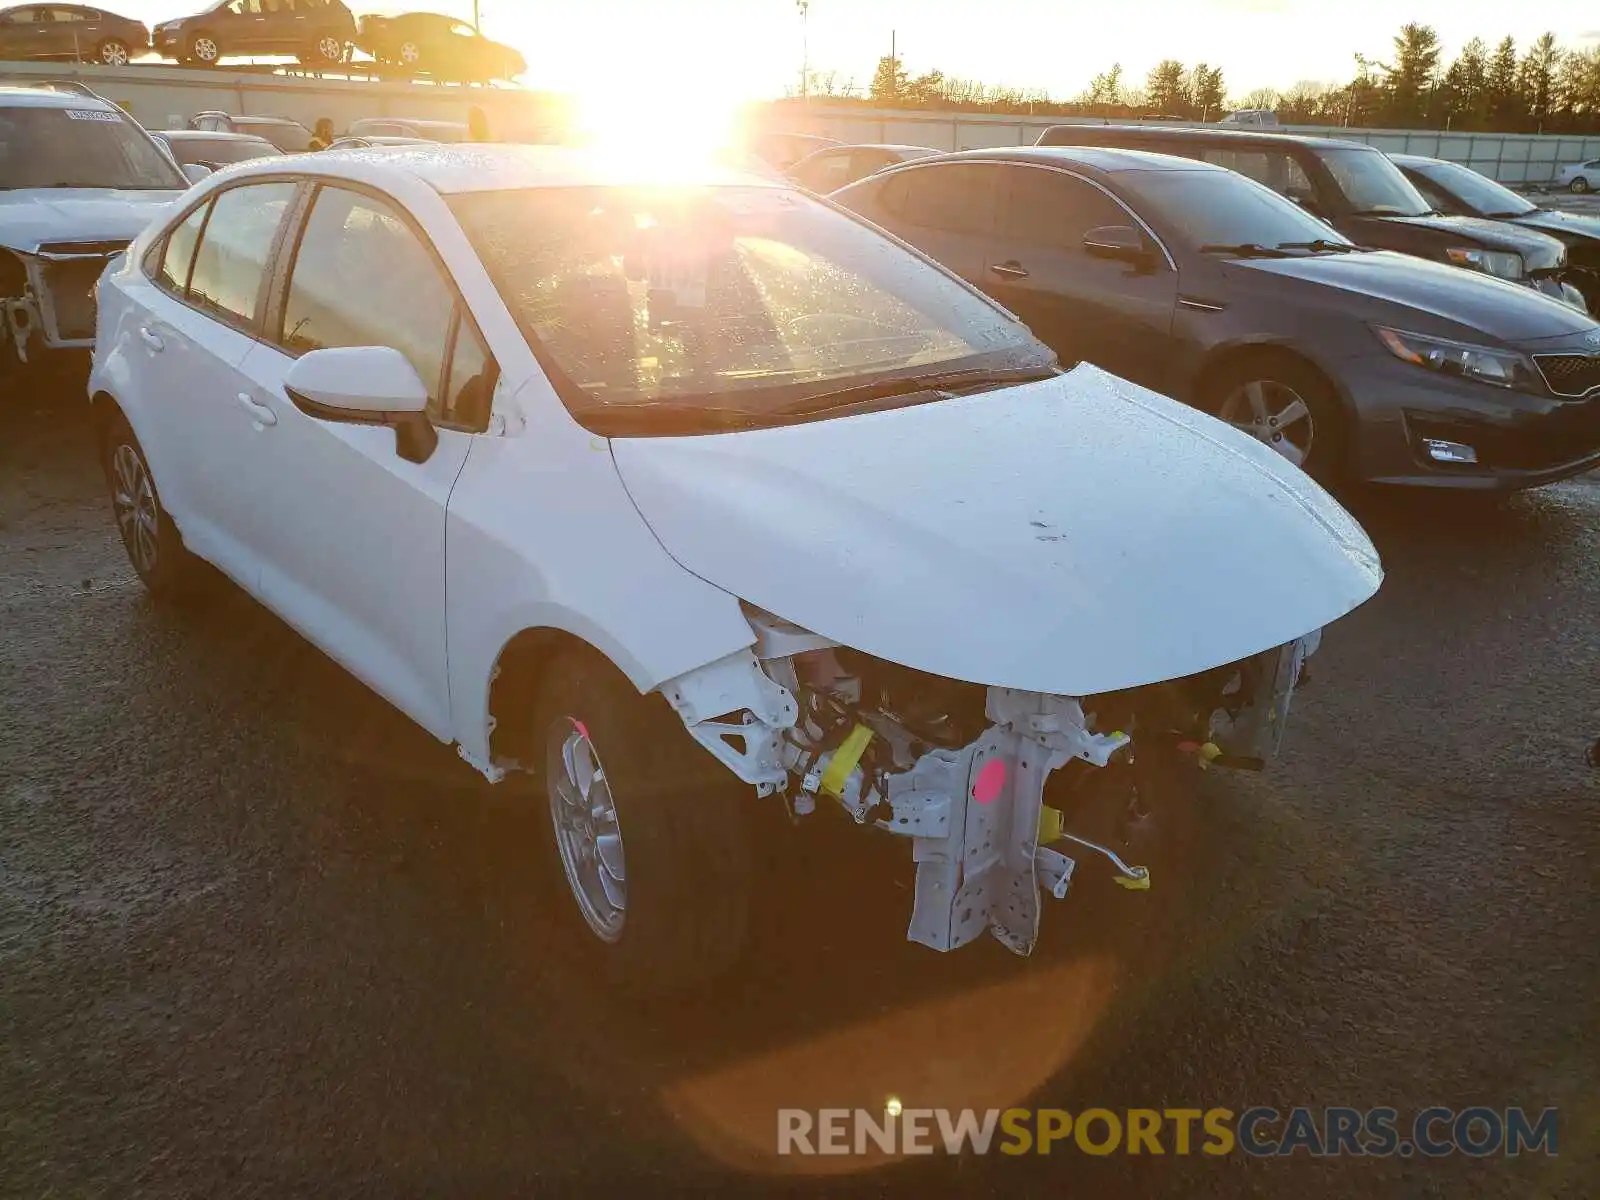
[(197, 172), (1123, 243), (366, 385)]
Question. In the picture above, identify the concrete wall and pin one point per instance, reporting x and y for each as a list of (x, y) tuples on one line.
[(1509, 157), (165, 97)]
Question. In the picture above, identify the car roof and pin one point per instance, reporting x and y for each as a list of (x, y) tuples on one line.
[(46, 95), (211, 135), (1102, 160), (491, 167), (1419, 160), (1211, 133)]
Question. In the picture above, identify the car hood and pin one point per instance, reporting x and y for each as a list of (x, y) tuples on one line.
[(1534, 246), (1569, 227), (30, 216), (1474, 302), (1073, 536)]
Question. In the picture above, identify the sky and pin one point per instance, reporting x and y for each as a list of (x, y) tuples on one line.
[(748, 49)]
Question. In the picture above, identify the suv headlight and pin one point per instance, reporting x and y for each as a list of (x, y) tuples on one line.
[(1486, 364), (1503, 264)]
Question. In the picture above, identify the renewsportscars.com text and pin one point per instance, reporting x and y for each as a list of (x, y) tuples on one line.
[(1335, 1131)]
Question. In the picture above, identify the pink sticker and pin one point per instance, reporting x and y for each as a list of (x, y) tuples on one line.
[(991, 778), (583, 730)]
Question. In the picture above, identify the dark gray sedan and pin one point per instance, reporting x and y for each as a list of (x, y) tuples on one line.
[(1207, 286), (1461, 191)]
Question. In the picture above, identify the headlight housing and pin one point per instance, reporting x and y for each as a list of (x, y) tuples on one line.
[(1486, 364), (1503, 264)]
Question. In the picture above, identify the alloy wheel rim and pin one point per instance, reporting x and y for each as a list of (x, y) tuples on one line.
[(133, 499), (115, 54), (330, 49), (410, 53), (588, 837), (205, 49), (1274, 414)]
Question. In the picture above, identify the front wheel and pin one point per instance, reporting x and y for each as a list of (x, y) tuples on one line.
[(114, 52), (646, 829), (329, 49), (1580, 185), (204, 50), (1286, 405)]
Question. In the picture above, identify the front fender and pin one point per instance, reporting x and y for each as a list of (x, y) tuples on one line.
[(541, 534)]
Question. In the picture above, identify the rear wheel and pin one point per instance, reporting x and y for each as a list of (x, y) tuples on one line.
[(154, 545), (1286, 405), (409, 55), (646, 829), (329, 48), (1580, 185), (114, 52)]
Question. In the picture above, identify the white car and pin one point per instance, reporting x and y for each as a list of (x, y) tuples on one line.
[(78, 180), (721, 488), (1579, 177)]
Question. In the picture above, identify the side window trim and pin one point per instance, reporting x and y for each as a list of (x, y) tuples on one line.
[(1139, 221), (281, 275)]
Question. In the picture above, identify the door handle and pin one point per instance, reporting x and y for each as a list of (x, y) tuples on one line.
[(1010, 270), (152, 339), (260, 413)]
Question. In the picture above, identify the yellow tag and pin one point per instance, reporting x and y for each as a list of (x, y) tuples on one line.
[(1141, 884), (844, 760), (1049, 825)]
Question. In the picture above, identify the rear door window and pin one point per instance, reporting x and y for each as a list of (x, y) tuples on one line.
[(230, 265), (171, 273), (1052, 209), (952, 199)]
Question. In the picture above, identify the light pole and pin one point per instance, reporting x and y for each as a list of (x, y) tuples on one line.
[(804, 7)]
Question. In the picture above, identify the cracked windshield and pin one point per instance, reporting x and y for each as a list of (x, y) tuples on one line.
[(726, 295)]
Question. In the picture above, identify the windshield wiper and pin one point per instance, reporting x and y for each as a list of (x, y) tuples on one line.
[(1245, 250), (622, 419), (1320, 245), (906, 388)]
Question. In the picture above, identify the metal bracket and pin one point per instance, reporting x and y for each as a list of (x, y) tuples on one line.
[(750, 747)]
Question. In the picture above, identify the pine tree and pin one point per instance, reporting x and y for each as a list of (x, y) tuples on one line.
[(1537, 77), (1506, 110), (1467, 85), (1410, 80), (1168, 88)]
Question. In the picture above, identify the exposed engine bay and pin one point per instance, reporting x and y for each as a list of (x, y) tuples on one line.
[(47, 295), (984, 781)]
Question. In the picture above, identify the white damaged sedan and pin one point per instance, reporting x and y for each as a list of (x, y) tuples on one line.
[(687, 499)]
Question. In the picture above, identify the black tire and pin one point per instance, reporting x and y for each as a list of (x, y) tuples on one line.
[(1326, 455), (203, 40), (114, 52), (1579, 186), (164, 564), (681, 818)]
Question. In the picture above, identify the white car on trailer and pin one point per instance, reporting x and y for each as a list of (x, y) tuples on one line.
[(690, 497)]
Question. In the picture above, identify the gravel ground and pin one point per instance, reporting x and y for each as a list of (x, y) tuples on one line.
[(259, 938)]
